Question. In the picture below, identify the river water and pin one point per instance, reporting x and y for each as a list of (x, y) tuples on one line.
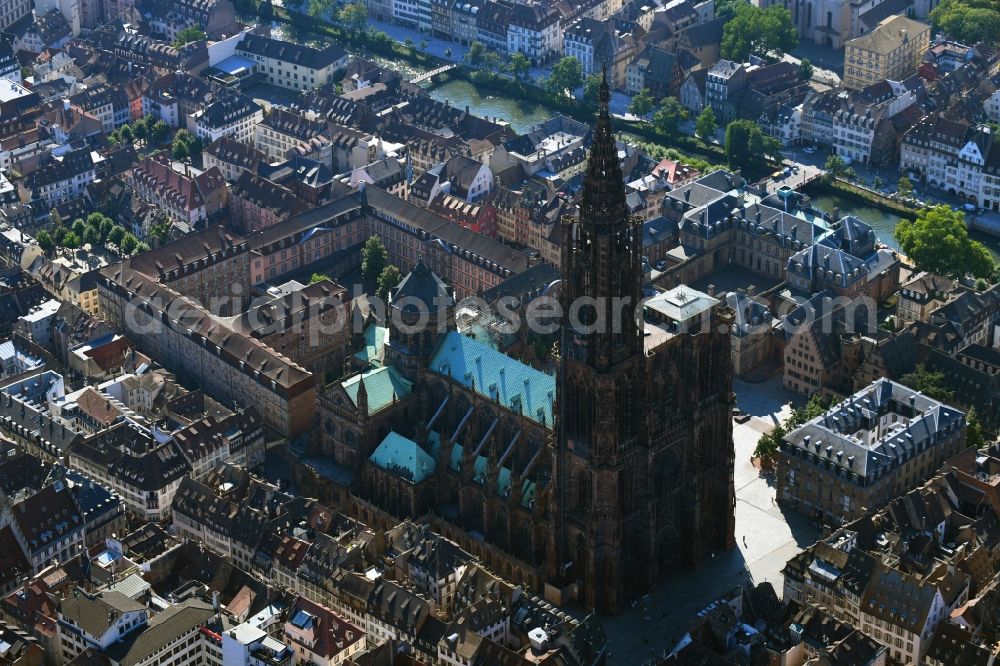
[(884, 222)]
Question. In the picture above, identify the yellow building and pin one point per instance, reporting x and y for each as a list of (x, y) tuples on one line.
[(891, 51)]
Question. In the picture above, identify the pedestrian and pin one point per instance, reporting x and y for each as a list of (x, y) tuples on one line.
[(744, 540)]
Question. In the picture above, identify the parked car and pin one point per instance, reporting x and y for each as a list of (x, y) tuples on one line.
[(809, 150)]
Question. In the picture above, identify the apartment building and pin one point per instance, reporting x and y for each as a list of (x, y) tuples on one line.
[(281, 131), (13, 11), (292, 66), (175, 97), (234, 115), (62, 177), (47, 525), (144, 473), (190, 199), (535, 31), (256, 203), (892, 51), (232, 158), (865, 451)]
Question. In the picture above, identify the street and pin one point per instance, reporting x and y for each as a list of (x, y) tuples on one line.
[(772, 538)]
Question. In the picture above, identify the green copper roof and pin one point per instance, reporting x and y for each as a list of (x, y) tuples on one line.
[(374, 345), (403, 457), (381, 384), (495, 375)]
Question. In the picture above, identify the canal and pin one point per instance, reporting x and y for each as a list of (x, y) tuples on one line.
[(884, 222)]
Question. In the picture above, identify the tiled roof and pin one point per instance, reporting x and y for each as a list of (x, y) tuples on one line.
[(495, 375)]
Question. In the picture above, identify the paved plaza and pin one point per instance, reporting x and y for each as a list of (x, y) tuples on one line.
[(771, 538)]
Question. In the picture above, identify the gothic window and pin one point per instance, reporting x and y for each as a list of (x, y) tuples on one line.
[(351, 438), (330, 427)]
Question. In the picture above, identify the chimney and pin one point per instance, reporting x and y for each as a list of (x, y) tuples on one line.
[(215, 601), (711, 290), (751, 290), (66, 104)]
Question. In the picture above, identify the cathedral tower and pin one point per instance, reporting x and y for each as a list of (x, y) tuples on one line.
[(644, 430)]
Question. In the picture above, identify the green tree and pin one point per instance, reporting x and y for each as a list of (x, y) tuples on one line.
[(669, 116), (159, 131), (492, 61), (747, 147), (930, 383), (475, 53), (115, 235), (591, 88), (140, 129), (106, 225), (58, 234), (835, 165), (92, 235), (373, 259), (188, 35), (519, 65), (387, 281), (850, 174), (408, 43), (974, 436), (79, 226), (128, 244), (878, 183), (318, 277), (904, 187), (642, 103), (320, 9), (767, 445), (968, 22), (180, 151), (70, 240), (567, 74), (355, 16), (447, 53), (805, 69), (423, 44), (982, 284), (757, 31), (126, 134), (161, 231), (705, 126), (45, 241), (938, 241), (140, 247), (727, 8)]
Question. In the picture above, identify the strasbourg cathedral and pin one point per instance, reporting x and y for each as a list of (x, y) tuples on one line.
[(588, 483)]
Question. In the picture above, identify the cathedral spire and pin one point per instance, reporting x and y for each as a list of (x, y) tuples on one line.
[(603, 185)]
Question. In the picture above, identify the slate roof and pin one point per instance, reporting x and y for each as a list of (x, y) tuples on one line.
[(298, 54), (423, 285), (404, 457), (165, 628), (830, 438), (495, 375), (95, 614)]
